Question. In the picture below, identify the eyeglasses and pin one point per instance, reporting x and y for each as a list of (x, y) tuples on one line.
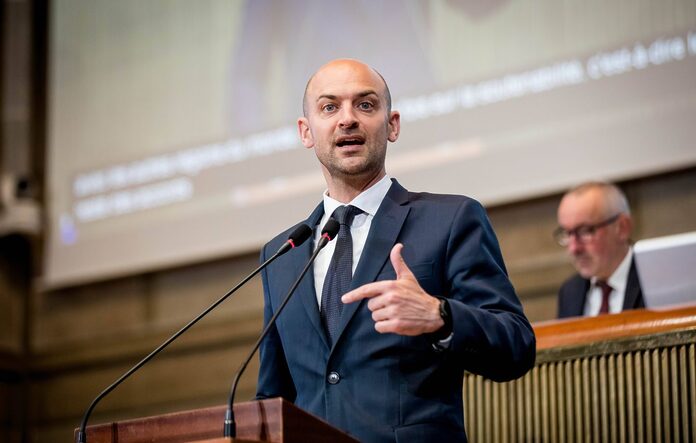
[(583, 233)]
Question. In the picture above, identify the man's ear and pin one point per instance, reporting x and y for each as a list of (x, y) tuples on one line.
[(625, 227), (394, 126), (305, 132)]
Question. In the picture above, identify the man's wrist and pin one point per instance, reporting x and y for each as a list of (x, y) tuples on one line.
[(445, 312)]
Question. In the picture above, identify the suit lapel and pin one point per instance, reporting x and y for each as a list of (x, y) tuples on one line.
[(633, 296), (306, 287), (384, 230), (578, 308)]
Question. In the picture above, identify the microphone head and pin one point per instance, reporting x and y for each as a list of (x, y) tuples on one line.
[(330, 229), (299, 235)]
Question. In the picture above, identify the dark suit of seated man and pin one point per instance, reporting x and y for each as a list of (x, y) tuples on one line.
[(378, 345), (595, 227)]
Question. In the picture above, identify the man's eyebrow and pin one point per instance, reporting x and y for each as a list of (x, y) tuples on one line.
[(327, 96), (366, 93), (359, 95)]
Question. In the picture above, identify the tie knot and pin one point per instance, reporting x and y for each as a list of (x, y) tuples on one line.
[(604, 286), (345, 214)]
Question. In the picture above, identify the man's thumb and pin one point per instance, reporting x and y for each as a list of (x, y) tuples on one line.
[(402, 270)]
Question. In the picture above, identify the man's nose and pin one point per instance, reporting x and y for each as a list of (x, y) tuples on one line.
[(347, 118), (574, 246)]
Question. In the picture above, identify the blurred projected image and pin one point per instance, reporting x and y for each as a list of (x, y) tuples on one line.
[(172, 125)]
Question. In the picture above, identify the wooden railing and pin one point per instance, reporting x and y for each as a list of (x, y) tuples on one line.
[(628, 377)]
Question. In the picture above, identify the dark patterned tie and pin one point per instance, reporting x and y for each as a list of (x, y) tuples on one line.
[(606, 290), (339, 273)]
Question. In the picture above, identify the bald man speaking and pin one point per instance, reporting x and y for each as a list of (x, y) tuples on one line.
[(411, 293)]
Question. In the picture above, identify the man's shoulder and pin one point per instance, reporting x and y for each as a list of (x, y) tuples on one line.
[(444, 200), (571, 296), (575, 283)]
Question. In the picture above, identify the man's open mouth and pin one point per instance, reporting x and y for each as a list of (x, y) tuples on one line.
[(350, 141)]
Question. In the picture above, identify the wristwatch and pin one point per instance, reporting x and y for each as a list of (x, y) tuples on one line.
[(446, 315)]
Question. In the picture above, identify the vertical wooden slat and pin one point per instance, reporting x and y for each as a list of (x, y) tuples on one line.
[(520, 411), (530, 405), (561, 401), (586, 401), (514, 417), (487, 412), (553, 403), (528, 425), (684, 395), (504, 415), (630, 398), (613, 423), (621, 397), (673, 382), (512, 429), (496, 412), (480, 431), (536, 402), (657, 393), (648, 403), (594, 376), (544, 407), (568, 406), (577, 397), (471, 408), (640, 399), (603, 399), (664, 398)]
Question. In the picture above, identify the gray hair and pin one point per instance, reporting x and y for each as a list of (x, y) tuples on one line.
[(614, 199)]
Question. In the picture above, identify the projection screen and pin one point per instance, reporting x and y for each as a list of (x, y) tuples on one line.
[(172, 124)]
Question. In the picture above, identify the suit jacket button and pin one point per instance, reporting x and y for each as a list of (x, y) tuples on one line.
[(334, 378)]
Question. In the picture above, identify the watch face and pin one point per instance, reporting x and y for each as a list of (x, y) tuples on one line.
[(443, 309)]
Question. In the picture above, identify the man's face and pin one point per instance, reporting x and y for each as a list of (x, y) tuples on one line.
[(347, 121), (599, 256)]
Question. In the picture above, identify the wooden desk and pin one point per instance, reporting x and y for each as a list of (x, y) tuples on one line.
[(622, 377)]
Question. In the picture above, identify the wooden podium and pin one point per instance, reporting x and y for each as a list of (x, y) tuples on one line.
[(273, 420)]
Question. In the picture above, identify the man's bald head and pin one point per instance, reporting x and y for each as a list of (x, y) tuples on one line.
[(334, 63)]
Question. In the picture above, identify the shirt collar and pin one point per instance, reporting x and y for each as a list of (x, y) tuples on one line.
[(368, 201), (619, 278)]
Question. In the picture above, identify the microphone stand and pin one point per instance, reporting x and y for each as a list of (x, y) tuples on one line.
[(289, 244), (330, 230)]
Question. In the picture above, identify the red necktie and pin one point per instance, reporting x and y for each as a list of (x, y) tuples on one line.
[(606, 290)]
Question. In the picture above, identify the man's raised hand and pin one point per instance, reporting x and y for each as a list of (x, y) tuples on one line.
[(399, 306)]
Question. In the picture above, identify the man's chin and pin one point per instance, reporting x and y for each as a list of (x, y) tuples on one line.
[(585, 271)]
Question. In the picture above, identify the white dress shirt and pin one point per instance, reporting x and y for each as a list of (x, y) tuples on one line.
[(618, 281), (368, 201)]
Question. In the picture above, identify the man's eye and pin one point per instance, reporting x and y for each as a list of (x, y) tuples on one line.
[(585, 231), (365, 106), (328, 108)]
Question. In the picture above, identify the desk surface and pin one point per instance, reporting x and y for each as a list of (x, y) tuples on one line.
[(582, 330)]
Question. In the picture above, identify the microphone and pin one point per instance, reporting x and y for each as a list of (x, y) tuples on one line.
[(327, 234), (298, 236)]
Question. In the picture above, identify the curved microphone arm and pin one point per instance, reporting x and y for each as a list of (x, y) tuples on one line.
[(299, 236), (328, 233)]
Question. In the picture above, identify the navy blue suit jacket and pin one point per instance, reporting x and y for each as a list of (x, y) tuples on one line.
[(573, 292), (393, 388)]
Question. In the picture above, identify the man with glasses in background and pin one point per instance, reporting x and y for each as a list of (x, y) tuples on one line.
[(595, 228)]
